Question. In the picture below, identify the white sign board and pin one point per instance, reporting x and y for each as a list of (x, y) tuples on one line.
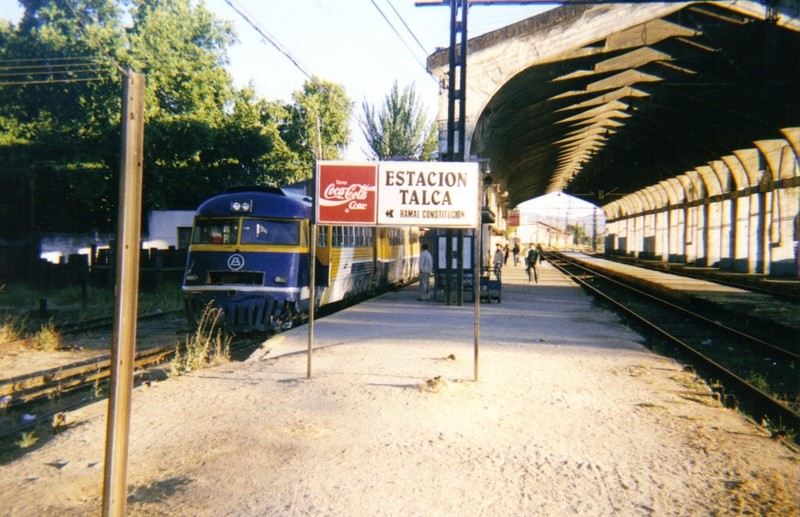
[(430, 194)]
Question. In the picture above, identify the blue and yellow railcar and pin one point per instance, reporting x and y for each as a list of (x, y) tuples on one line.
[(250, 251)]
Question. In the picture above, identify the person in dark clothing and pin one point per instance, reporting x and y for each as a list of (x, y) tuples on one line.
[(532, 262)]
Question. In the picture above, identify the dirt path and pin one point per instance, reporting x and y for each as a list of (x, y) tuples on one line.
[(570, 415)]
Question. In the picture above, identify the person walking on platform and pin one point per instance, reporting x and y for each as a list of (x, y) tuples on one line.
[(515, 252), (499, 258), (425, 270), (532, 262)]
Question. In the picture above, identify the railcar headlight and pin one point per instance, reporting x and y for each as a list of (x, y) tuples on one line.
[(190, 277), (280, 279), (242, 206)]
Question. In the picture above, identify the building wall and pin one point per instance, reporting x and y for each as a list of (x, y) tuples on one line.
[(165, 228)]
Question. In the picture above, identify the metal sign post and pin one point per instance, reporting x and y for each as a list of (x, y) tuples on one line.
[(476, 276), (400, 194), (312, 294)]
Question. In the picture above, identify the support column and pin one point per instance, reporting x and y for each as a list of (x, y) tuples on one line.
[(727, 235), (688, 235), (751, 249), (660, 236), (713, 233)]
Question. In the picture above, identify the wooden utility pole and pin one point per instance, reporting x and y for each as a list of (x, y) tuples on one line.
[(115, 489)]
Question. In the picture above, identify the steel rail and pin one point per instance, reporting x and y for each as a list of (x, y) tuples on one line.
[(26, 390), (716, 324), (776, 410)]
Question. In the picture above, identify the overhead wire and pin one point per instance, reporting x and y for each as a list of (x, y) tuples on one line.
[(104, 51), (250, 20), (394, 29), (51, 81), (20, 72), (355, 28), (62, 69), (407, 27), (247, 17), (274, 42)]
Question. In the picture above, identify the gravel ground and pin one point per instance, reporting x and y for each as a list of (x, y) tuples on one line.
[(570, 415)]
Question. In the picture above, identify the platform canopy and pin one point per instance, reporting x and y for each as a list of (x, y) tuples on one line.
[(602, 100)]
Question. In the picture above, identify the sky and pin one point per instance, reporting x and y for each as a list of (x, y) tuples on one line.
[(365, 45), (345, 41), (558, 209)]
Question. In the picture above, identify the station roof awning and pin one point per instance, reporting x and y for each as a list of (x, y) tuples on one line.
[(641, 104)]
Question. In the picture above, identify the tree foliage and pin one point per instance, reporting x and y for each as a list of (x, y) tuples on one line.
[(60, 112), (400, 130), (317, 121)]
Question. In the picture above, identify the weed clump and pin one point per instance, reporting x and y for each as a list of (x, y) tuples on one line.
[(208, 346), (10, 328), (48, 338), (27, 439)]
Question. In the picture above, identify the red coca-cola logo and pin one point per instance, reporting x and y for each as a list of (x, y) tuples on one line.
[(347, 193), (339, 193)]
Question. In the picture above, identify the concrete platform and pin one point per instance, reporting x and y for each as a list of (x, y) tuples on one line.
[(742, 306), (570, 416), (554, 311)]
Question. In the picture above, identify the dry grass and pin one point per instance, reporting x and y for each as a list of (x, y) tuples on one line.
[(27, 439), (208, 346), (48, 338), (755, 493), (10, 328)]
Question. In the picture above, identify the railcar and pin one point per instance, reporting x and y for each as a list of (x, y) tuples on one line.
[(249, 256)]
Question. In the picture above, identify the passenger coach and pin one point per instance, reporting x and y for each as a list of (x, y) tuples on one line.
[(249, 256)]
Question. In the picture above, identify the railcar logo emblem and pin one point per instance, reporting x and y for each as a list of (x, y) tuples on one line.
[(235, 262)]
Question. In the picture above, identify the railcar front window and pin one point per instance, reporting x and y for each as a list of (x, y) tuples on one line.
[(263, 231), (215, 231)]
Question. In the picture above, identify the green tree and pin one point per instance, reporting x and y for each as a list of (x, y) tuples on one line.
[(182, 49), (60, 112), (316, 124), (56, 101), (400, 130)]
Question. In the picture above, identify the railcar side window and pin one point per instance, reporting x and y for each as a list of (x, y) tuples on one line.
[(263, 231), (338, 237), (215, 231), (322, 236)]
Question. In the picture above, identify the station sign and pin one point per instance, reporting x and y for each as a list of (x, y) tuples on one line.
[(427, 194)]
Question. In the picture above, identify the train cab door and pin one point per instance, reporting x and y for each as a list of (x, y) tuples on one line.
[(322, 276)]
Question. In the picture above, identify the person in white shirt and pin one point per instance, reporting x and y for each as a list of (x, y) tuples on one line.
[(499, 258), (425, 270)]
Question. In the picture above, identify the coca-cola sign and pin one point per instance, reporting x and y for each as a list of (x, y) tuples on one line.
[(347, 193)]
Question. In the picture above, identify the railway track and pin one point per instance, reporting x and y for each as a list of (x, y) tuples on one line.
[(38, 397), (36, 400), (745, 371)]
